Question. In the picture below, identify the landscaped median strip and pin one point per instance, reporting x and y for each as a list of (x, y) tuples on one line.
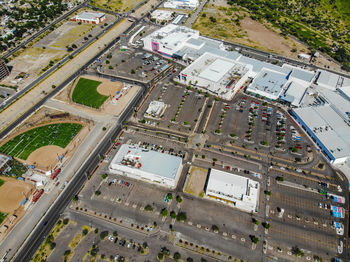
[(141, 229), (48, 245), (68, 254)]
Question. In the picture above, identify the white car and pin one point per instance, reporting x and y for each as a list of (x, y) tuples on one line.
[(111, 238)]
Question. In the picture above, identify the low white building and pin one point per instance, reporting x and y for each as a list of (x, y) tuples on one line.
[(294, 94), (269, 84), (148, 165), (161, 16), (329, 128), (304, 56), (169, 39), (181, 4), (155, 109), (89, 18), (219, 75), (240, 191)]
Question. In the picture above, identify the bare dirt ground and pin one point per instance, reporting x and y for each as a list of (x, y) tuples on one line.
[(251, 33), (12, 193), (45, 158), (30, 62), (125, 100), (196, 181), (145, 8)]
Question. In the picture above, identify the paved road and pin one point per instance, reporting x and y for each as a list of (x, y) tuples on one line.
[(47, 222), (31, 38), (47, 73), (71, 68), (191, 20)]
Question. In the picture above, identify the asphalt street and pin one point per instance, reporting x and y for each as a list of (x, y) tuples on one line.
[(47, 73)]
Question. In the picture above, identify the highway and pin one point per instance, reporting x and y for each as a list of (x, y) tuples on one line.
[(19, 94), (32, 37), (49, 219)]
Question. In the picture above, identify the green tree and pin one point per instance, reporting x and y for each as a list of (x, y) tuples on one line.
[(170, 196), (103, 235), (181, 216), (177, 256), (164, 212), (148, 208), (215, 228), (172, 214), (85, 231), (179, 199), (297, 251)]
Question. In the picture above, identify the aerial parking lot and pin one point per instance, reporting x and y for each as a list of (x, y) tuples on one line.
[(155, 169), (256, 125), (182, 108)]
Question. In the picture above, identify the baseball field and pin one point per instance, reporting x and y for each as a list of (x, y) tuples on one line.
[(85, 93), (23, 145)]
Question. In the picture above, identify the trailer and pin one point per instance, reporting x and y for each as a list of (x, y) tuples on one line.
[(55, 174), (37, 195)]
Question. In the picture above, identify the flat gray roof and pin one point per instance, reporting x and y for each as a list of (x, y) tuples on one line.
[(294, 93), (329, 127), (89, 15), (269, 81), (328, 79), (300, 73), (215, 71), (259, 65), (151, 161)]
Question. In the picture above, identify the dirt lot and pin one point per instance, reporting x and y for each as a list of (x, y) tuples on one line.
[(52, 47), (60, 75), (11, 194), (117, 5), (108, 88), (45, 158), (30, 63), (196, 181), (238, 27)]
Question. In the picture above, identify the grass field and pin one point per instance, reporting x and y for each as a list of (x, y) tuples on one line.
[(85, 93), (23, 145), (73, 35), (2, 216), (2, 182), (117, 5)]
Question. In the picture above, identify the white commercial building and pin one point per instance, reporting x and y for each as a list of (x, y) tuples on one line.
[(148, 165), (294, 94), (330, 80), (240, 191), (155, 109), (89, 17), (161, 16), (329, 129), (269, 84), (181, 4), (219, 75), (183, 43)]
